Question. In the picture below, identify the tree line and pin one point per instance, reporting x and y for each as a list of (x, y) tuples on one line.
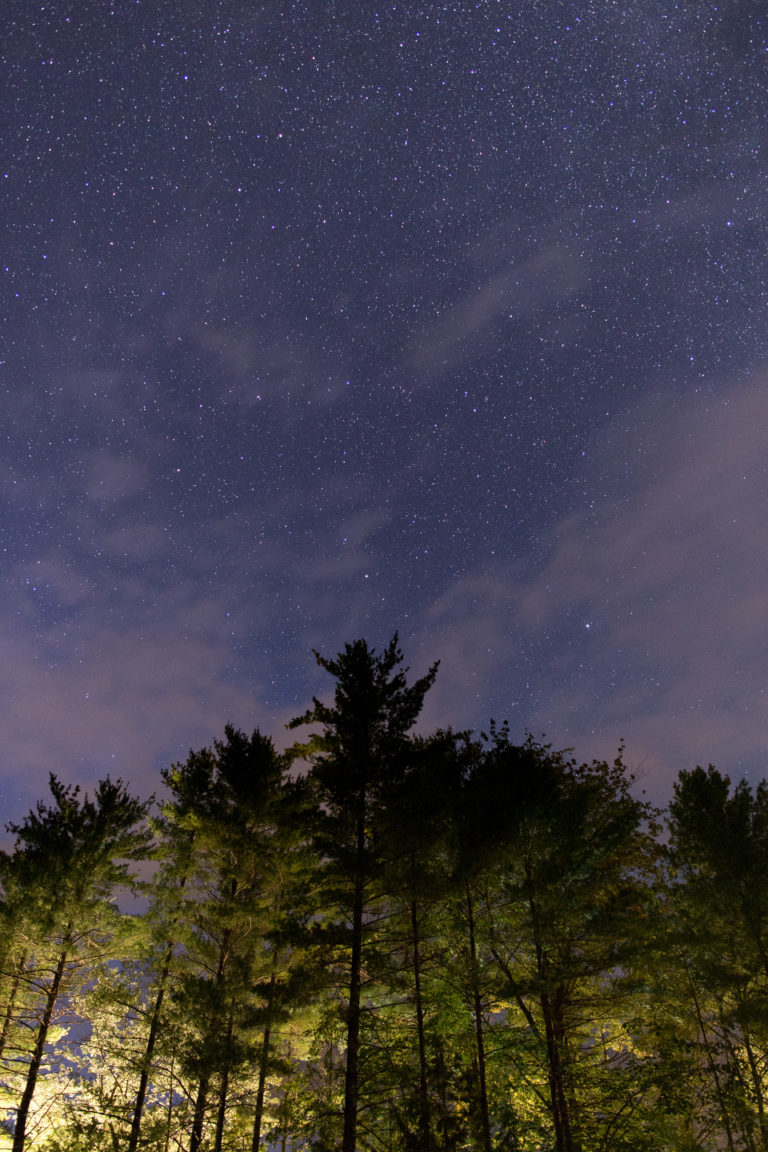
[(384, 941)]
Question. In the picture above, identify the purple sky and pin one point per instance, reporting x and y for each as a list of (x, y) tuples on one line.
[(323, 322)]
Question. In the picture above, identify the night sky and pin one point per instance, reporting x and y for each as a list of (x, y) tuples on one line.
[(324, 320)]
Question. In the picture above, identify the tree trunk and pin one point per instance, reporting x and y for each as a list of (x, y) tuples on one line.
[(168, 1126), (352, 1075), (198, 1119), (425, 1129), (22, 1114), (146, 1063), (224, 1086), (477, 1011), (554, 1033), (441, 1080), (757, 1088), (11, 1002), (710, 1060), (263, 1065), (201, 1102)]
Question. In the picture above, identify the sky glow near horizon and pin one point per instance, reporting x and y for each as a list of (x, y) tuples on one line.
[(330, 320)]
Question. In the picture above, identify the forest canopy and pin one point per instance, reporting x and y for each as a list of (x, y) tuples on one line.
[(384, 940)]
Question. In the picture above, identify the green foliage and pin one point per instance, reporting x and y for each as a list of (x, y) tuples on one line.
[(70, 858), (717, 924), (418, 943)]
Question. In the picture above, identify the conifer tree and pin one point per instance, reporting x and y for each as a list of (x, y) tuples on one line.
[(222, 827), (417, 826), (356, 760), (718, 901), (70, 857), (573, 889)]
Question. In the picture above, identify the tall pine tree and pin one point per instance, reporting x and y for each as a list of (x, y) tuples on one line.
[(356, 760)]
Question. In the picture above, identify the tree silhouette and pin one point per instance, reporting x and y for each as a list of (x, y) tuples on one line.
[(356, 760)]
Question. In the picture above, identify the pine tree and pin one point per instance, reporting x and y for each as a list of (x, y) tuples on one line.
[(222, 835), (70, 857), (356, 759), (573, 893), (718, 901), (417, 826)]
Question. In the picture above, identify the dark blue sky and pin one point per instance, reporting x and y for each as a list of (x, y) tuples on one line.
[(326, 320)]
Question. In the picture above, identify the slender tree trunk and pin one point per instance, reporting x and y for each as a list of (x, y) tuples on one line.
[(146, 1063), (224, 1086), (425, 1128), (744, 1122), (352, 1074), (477, 1009), (757, 1088), (201, 1102), (263, 1065), (562, 1109), (710, 1060), (198, 1118), (441, 1073), (554, 1034), (167, 1143), (11, 1002), (22, 1114)]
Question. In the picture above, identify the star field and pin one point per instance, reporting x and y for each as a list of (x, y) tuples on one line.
[(326, 320)]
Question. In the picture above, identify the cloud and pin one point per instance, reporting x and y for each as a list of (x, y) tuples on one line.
[(97, 694), (644, 616), (538, 281), (112, 477), (466, 629), (658, 591), (648, 617), (126, 641)]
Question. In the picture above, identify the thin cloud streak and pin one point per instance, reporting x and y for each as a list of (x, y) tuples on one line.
[(660, 590)]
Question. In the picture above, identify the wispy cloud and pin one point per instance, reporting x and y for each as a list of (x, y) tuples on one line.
[(651, 605), (537, 281)]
